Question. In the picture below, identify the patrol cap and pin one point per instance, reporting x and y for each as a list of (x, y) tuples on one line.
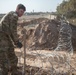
[(21, 6)]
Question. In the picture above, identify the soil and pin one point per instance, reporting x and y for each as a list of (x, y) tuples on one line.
[(37, 63)]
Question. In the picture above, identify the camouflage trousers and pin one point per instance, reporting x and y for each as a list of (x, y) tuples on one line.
[(8, 59)]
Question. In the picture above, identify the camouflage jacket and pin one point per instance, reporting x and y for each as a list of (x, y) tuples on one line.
[(8, 26)]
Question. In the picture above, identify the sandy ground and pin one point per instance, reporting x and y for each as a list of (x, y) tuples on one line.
[(47, 62)]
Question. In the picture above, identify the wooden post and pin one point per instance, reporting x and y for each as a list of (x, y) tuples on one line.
[(24, 52)]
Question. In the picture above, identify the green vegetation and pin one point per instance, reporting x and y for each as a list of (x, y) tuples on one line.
[(67, 8)]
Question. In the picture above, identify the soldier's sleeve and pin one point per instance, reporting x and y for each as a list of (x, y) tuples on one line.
[(13, 27), (9, 24)]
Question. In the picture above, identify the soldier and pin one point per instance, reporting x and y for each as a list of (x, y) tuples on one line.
[(9, 39)]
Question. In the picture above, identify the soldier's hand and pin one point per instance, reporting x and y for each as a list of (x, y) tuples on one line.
[(19, 44)]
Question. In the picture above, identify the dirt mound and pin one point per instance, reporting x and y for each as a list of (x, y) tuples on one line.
[(43, 34), (46, 34), (34, 21), (73, 36)]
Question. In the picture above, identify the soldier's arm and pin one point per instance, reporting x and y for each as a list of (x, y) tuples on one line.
[(9, 26), (13, 28)]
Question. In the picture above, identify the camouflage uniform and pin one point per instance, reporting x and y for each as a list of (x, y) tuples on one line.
[(8, 36)]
